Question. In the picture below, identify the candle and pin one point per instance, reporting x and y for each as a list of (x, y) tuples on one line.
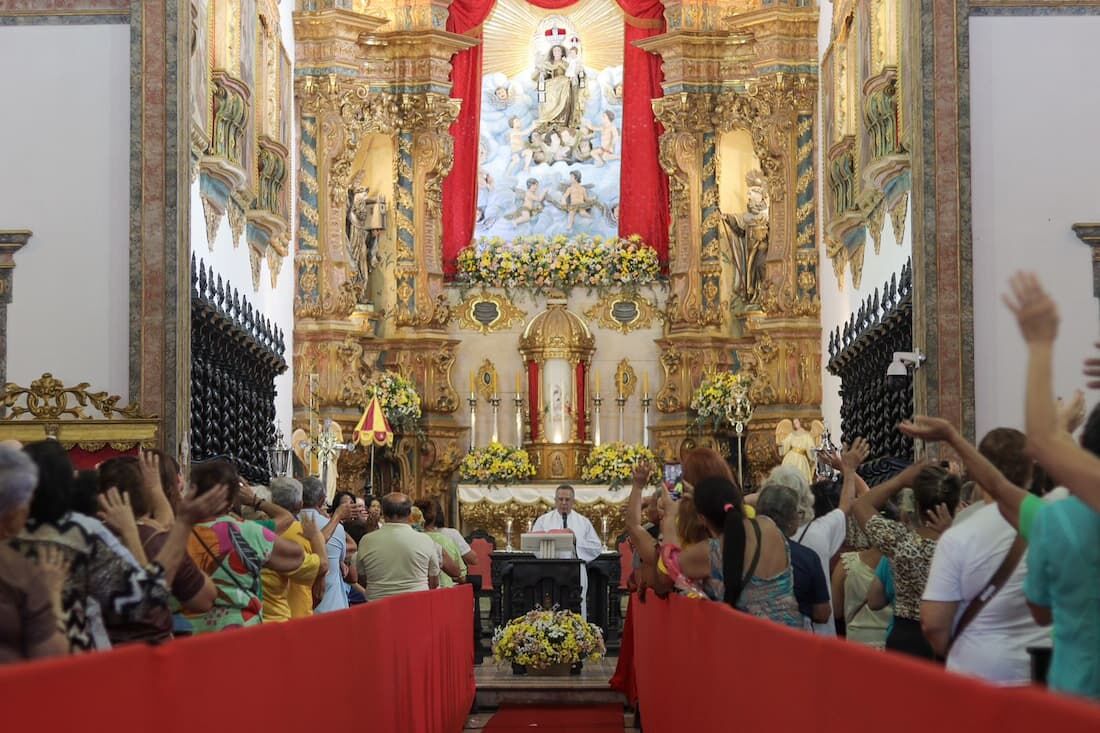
[(473, 384), (596, 376), (519, 384), (645, 384)]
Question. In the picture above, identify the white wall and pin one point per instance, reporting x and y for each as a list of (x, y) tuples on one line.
[(65, 157), (232, 263), (1035, 171), (839, 302)]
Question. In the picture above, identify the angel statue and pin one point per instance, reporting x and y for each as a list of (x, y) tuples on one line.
[(577, 199), (798, 446), (748, 237)]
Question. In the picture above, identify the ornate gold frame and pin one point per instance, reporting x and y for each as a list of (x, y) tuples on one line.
[(508, 314), (602, 313)]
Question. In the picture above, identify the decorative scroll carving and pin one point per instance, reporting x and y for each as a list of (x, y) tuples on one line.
[(624, 313), (486, 312), (231, 109), (47, 398)]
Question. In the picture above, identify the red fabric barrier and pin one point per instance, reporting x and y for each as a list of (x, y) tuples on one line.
[(401, 664), (701, 666)]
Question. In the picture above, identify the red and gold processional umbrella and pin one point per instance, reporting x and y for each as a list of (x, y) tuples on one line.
[(374, 430)]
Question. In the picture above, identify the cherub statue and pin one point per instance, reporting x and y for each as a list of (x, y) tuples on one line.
[(798, 446), (531, 203), (577, 199)]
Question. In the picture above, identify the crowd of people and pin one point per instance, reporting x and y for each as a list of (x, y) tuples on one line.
[(128, 553), (974, 564), (978, 564)]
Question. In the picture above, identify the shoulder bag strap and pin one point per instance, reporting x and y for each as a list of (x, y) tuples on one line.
[(805, 530), (219, 561), (1008, 565), (755, 555)]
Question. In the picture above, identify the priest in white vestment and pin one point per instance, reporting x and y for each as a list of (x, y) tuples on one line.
[(586, 542)]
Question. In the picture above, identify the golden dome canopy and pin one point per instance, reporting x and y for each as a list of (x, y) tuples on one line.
[(557, 333)]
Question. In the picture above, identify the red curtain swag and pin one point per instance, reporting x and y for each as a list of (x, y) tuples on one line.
[(643, 198)]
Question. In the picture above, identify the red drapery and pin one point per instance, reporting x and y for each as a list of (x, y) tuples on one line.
[(643, 197), (87, 460), (533, 405), (581, 405), (401, 664), (702, 666)]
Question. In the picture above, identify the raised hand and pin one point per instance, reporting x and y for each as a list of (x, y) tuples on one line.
[(54, 566), (115, 510), (831, 459), (309, 527), (1092, 371), (939, 519), (641, 474), (194, 509), (934, 429), (341, 513), (1036, 314), (247, 495), (1071, 414), (150, 470), (855, 454)]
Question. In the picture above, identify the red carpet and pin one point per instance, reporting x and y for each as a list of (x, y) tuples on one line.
[(515, 718)]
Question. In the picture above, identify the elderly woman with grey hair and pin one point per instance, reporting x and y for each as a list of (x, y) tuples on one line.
[(825, 534), (293, 594), (782, 505), (30, 592)]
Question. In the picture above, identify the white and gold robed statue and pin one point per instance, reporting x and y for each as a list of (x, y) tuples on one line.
[(798, 446)]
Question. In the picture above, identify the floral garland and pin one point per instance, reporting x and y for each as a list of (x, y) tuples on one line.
[(398, 398), (544, 638), (496, 464), (559, 263), (714, 398), (613, 463)]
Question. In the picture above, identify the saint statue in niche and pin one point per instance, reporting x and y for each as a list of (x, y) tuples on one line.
[(748, 237), (366, 219)]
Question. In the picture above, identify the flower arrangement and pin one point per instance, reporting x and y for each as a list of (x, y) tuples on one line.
[(545, 638), (496, 464), (559, 263), (398, 398), (715, 398), (613, 463)]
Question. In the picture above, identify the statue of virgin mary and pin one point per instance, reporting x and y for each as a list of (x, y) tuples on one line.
[(555, 91)]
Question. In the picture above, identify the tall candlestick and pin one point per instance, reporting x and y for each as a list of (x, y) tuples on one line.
[(495, 402), (518, 400), (473, 421)]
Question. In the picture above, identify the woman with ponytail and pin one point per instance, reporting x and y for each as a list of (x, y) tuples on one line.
[(746, 562)]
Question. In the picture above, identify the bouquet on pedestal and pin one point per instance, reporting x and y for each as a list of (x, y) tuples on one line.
[(613, 463), (496, 464), (398, 398), (544, 639), (718, 397)]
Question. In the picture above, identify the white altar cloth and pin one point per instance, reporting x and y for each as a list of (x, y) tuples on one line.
[(542, 493)]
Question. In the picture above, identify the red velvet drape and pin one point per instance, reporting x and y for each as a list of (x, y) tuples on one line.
[(643, 198), (533, 405), (643, 185), (582, 427)]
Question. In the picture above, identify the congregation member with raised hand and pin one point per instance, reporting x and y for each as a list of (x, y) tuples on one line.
[(233, 551), (910, 550), (974, 611), (1064, 551)]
